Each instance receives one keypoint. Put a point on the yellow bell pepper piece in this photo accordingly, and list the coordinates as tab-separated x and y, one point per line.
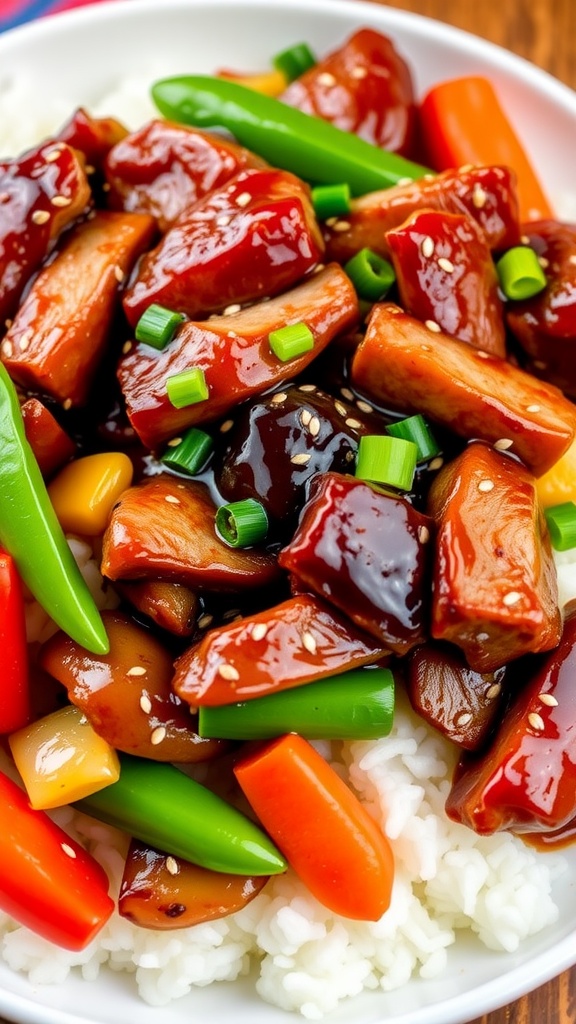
270	83
559	483
61	759
85	491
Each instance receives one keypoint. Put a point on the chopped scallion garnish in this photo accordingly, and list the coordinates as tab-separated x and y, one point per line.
242	523
415	429
561	520
371	275
157	326
294	61
386	460
187	388
190	452
331	200
520	273
291	341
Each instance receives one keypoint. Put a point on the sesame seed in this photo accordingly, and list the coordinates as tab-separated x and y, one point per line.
364	406
172	866
536	721
308	642
486	485
69	851
7	349
479	196
118	274
463	718
279	398
532	408
427	246
358	72
465	168
67	404
347	393
223	221
341	408
8	323
174	442
493	691
512	597
572	258
404	181
432	326
243	199
503	444
544	263
157	735
61	201
436	463
549	699
425	348
235	307
226	426
307	387
326	79
525	239
204	621
90	169
481	354
423	534
127	347
231	334
539	364
231	614
145	703
314	426
40	216
305	417
353	424
301	459
172	499
228	671
341	225
52	155
446	265
259	630
331	221
136	670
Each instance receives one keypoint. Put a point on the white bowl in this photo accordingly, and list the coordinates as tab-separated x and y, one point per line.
77	58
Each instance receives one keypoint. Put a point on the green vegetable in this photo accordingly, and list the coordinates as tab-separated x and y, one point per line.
291	341
415	428
561	520
158	804
157	325
294	61
520	273
386	460
371	275
189	453
187	388
242	523
306	145
331	200
356	705
32	535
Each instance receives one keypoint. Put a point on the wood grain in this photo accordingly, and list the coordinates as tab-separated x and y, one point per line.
544	32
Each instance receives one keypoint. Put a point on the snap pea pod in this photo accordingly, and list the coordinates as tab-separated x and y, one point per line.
356	705
31	534
157	803
308	146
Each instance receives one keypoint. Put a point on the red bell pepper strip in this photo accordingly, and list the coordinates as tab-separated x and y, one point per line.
14	692
341	854
463	122
48	882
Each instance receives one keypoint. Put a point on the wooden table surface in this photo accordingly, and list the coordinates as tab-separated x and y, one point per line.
542	31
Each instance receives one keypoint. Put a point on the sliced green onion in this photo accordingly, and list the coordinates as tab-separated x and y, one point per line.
415	429
189	453
187	388
291	341
520	273
157	326
357	705
294	61
371	275
386	460
561	520
242	523
331	200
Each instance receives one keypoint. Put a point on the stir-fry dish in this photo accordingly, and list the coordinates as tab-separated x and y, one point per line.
287	457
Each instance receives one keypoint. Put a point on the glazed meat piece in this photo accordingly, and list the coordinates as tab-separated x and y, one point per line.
126	694
234	353
171	606
164	529
525	781
61	332
94	137
51	445
365	87
495	592
487	194
365	552
445	273
403	364
250	239
162	168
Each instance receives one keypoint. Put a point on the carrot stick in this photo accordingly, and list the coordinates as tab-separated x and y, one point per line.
325	833
463	122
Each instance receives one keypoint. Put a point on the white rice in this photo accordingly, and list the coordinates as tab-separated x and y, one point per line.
307	959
